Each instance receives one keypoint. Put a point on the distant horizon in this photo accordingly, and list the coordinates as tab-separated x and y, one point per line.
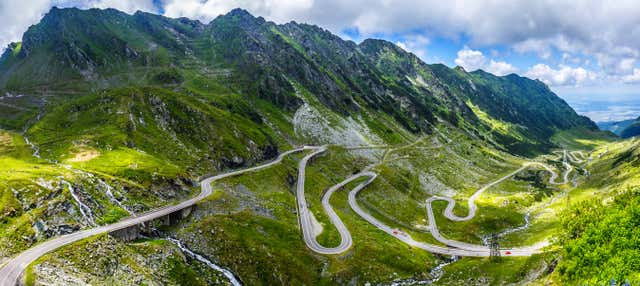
607	111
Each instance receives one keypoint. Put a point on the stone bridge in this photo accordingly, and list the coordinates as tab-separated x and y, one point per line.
137	231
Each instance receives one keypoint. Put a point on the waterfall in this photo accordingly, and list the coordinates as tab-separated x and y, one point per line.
436	273
36	150
86	212
108	189
232	278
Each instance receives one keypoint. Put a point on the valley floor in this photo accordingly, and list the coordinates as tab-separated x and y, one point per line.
516	209
146	150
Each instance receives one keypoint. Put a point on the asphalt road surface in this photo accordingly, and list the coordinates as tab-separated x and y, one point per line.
448	212
13	269
456	248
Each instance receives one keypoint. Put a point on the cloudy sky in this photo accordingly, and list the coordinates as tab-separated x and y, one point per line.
585	50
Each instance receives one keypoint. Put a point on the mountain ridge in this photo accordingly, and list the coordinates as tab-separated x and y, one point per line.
625	128
112	114
263	57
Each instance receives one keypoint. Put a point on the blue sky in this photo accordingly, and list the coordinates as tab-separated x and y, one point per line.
586	51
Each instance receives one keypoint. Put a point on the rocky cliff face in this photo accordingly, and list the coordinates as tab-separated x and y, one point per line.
129	110
73	49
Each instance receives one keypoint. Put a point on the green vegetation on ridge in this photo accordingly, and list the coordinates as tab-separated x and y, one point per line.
147	104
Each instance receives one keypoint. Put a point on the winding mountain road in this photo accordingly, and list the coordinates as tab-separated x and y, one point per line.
573	157
305	216
13	269
459	248
448	212
400	235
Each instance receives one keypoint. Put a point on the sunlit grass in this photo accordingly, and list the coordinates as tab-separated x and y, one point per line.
129	163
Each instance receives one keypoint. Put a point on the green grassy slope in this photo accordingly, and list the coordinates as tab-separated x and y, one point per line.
256	213
144	262
599	222
240	54
146	105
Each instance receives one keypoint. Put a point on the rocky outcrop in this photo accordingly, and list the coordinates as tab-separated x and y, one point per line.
106	261
261	59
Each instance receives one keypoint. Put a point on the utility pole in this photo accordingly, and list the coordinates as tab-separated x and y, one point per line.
494	248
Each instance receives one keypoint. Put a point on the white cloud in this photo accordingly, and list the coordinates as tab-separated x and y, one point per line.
197	9
500	68
563	76
633	77
571	59
540	47
611	113
17	15
275	10
472	60
626	65
617	62
129	6
416	44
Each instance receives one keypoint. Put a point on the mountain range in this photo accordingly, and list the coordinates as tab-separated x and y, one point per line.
107	114
99	49
625	129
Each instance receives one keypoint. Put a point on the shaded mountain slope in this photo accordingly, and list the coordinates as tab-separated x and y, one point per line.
148	104
75	51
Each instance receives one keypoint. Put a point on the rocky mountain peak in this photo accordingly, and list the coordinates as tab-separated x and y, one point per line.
241	17
263	59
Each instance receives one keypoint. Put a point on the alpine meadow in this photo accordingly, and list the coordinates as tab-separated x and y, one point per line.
140	148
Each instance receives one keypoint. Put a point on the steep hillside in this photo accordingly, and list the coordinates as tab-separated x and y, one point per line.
625	129
517	112
600	229
615	126
631	130
73	51
108	115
